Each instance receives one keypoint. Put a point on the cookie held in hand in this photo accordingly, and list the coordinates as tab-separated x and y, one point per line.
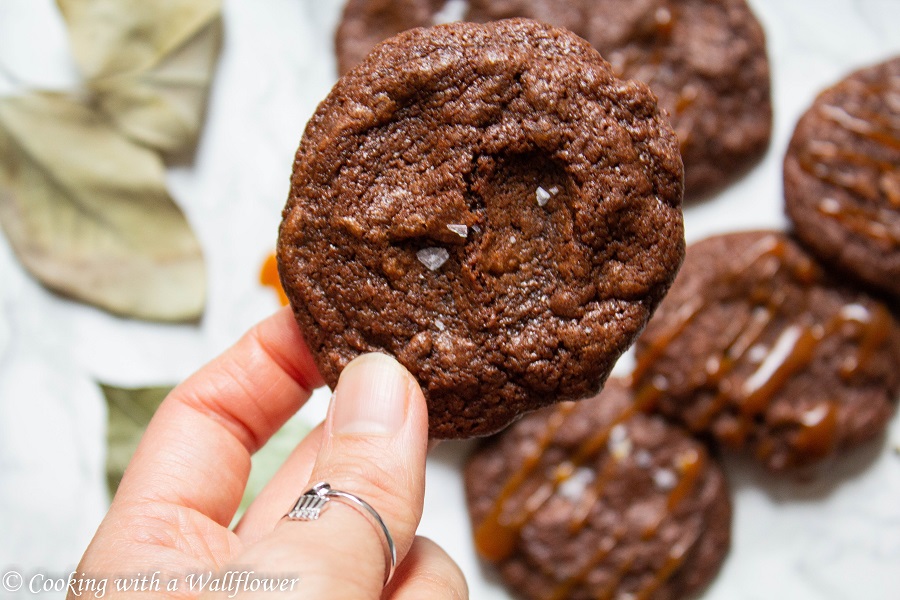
488	204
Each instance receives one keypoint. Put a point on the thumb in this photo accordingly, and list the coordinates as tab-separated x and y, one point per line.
374	446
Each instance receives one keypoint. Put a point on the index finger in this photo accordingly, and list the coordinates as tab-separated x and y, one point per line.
196	450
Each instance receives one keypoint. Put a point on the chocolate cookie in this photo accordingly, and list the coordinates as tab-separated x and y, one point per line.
704	59
365	23
597	500
842	176
488	204
758	347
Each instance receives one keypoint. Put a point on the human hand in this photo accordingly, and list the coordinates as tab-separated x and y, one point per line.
180	492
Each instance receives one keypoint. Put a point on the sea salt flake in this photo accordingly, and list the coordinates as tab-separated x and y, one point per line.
573	488
452	11
665	479
433	257
660	382
663	16
542	195
643	458
618	434
619	444
856	312
440	325
621	450
757	353
459	229
830	206
554	190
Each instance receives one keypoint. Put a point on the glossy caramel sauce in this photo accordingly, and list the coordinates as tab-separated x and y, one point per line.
818	430
654	32
268	276
591	495
497	535
690	465
795	347
868	125
672	564
564	589
867	221
868	213
873	326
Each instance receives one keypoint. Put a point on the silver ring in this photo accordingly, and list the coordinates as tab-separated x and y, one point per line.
313	501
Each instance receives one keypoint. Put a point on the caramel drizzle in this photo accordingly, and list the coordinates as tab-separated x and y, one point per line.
876	325
683	318
769	246
594	445
665	18
872	222
817	435
816	161
496	537
865	219
591	495
690	465
564	589
751	332
869	125
818	431
673	562
794	350
623	570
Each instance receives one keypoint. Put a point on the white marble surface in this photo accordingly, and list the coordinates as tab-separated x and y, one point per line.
837	538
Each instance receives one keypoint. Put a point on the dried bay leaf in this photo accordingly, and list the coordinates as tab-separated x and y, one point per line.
162	108
87	212
149	64
129	411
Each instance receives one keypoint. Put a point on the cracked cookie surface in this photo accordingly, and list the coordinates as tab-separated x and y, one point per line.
704	59
488	204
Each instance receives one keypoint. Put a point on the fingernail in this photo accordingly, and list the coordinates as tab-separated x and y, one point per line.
371	397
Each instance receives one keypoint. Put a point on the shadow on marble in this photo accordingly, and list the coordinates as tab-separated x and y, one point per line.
810	485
